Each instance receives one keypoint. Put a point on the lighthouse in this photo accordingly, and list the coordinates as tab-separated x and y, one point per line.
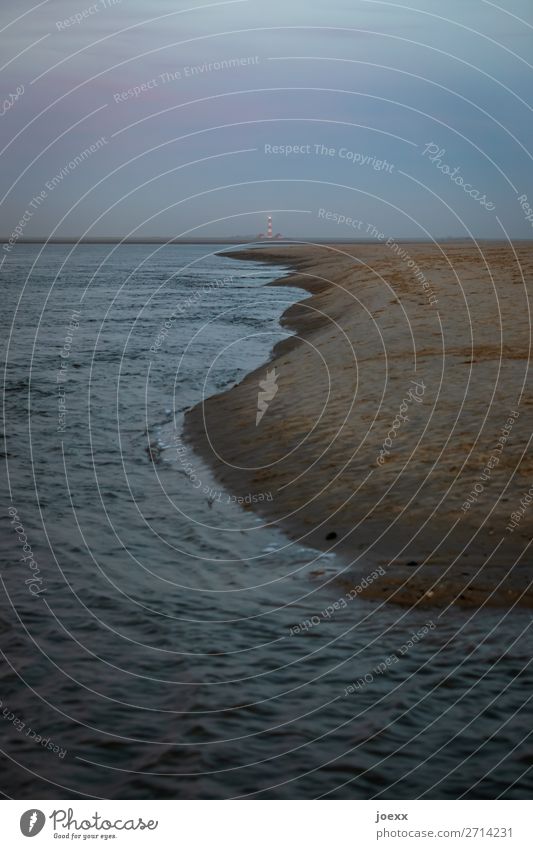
269	233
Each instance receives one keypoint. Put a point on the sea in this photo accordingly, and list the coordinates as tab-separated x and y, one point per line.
159	639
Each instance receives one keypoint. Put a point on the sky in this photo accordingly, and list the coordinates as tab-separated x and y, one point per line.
124	118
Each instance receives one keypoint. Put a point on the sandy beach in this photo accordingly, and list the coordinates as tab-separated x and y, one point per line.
395	418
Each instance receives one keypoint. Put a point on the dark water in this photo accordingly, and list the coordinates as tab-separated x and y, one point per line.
153	649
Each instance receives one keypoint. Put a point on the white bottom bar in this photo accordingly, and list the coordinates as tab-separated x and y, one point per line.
268	824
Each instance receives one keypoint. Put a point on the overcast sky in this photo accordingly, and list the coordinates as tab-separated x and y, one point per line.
375	83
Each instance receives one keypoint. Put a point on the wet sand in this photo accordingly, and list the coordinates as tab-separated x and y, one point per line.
402	395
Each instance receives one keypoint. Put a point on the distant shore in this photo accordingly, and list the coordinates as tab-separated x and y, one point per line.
248	241
396	418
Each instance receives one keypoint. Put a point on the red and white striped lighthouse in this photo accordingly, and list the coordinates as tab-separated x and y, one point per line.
269	233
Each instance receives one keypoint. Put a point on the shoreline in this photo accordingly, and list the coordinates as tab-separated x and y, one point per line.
386	411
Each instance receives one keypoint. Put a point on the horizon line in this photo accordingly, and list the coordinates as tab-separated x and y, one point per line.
236	240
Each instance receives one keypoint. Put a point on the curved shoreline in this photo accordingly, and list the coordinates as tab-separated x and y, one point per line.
365	337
